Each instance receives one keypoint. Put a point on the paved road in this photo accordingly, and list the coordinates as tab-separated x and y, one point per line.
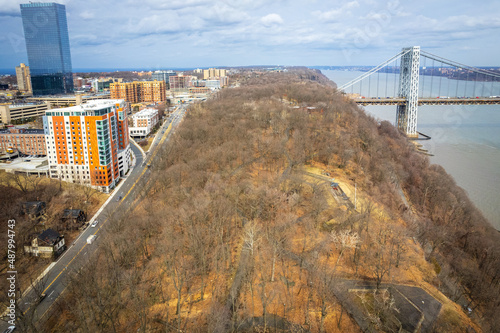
416	309
53	283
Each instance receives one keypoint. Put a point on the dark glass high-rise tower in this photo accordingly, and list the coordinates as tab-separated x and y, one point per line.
47	44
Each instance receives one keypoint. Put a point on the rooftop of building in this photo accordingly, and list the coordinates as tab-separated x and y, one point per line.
124	83
100	103
71	213
25	164
49	236
23	104
12	130
146	112
96	104
73	96
33	207
164	71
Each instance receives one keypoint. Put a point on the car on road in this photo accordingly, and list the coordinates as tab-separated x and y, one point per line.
41	298
94	224
91	239
119	198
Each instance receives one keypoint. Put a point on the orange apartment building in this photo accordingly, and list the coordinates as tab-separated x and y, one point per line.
89	143
139	91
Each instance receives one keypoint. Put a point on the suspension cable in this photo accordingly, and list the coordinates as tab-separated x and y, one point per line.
373	70
378	82
467	80
423	78
395	77
448	90
369	85
386	80
475	82
483	84
440	78
459	65
432	78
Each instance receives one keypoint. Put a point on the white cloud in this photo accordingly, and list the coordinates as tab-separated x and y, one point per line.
168	5
223	14
87	15
167	22
352	4
337	13
472	22
147	31
271	20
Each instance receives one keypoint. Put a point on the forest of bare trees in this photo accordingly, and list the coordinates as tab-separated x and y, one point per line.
16	190
229	234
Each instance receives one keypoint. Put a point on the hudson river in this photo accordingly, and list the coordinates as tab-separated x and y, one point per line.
465	139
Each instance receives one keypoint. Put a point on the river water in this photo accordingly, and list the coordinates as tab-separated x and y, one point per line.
465	138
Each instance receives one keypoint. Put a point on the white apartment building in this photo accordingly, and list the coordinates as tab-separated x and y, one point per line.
143	122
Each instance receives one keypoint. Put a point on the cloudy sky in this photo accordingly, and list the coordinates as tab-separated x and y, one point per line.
161	34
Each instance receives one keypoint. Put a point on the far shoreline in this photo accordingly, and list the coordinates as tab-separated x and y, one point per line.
432	159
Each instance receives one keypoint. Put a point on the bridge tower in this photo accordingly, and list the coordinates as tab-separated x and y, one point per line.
406	115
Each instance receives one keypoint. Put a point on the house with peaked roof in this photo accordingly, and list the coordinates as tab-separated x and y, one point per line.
74	217
34	209
48	244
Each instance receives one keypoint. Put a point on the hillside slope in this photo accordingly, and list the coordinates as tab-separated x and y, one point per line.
240	229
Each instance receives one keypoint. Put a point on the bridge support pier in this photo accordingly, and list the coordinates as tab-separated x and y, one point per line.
406	115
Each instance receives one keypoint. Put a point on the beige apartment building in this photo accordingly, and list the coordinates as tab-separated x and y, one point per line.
23	78
139	91
213	72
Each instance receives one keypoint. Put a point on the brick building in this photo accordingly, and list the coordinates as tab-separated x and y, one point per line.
26	141
139	91
181	82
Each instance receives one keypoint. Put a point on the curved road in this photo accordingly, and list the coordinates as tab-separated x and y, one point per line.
78	253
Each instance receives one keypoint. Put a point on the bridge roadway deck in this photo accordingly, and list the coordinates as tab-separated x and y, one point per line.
429	101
